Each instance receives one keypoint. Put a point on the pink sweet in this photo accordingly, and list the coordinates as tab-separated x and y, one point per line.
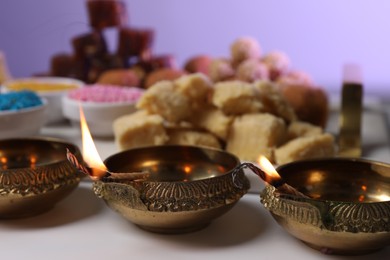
106	93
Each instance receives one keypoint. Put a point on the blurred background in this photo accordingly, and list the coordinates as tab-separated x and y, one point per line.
318	36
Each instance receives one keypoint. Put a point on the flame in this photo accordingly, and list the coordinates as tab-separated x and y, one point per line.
187	169
33	161
270	173
90	153
364	188
4	161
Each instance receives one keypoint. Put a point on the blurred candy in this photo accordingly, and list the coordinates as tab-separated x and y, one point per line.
277	62
135	42
105	93
62	65
199	63
120	77
106	13
251	70
162	74
220	70
89	45
244	48
295	77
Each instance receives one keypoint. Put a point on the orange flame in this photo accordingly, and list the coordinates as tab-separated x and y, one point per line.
33	161
270	173
187	169
90	153
4	161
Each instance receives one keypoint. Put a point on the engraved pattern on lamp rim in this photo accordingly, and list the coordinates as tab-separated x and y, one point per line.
40	179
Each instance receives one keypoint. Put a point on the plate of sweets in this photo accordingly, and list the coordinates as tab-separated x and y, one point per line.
101	105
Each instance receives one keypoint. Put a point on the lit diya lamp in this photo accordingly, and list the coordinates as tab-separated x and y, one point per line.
164	189
334	205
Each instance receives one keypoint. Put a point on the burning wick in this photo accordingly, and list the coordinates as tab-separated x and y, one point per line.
108	176
269	175
97	170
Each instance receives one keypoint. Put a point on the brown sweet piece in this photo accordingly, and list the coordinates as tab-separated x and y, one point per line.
156	62
309	103
200	63
95	66
162	74
112	61
81	68
62	65
89	45
135	42
106	13
119	77
93	74
163	61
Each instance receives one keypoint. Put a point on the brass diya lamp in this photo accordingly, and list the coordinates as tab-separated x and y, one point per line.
170	189
34	175
337	206
165	189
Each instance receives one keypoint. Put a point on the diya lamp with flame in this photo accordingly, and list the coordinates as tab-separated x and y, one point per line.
164	189
335	205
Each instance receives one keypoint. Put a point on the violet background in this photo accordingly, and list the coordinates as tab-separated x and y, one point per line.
319	36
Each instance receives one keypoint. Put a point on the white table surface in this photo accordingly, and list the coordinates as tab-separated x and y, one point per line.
83	227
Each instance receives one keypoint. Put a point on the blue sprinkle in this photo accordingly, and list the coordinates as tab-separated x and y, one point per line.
19	100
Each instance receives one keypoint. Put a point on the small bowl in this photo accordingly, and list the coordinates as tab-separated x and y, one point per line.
34	175
188	187
99	115
22	122
50	88
348	211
